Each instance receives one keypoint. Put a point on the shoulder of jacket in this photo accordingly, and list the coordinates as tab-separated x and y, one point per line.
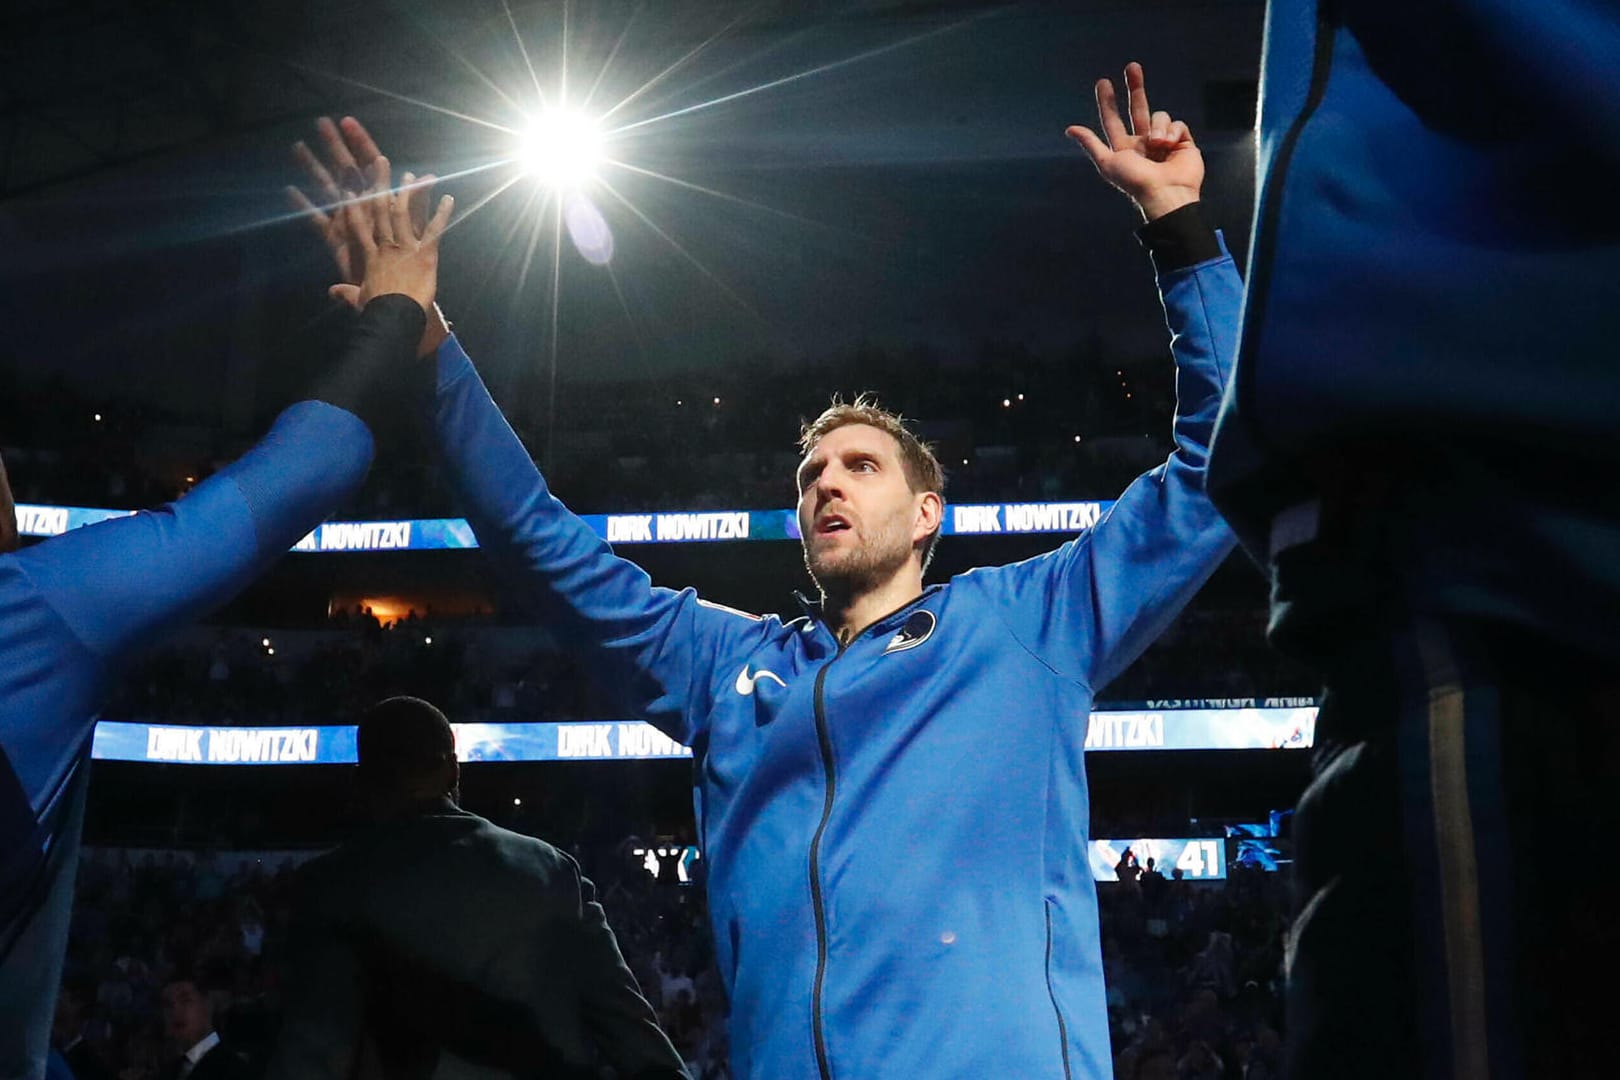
712	606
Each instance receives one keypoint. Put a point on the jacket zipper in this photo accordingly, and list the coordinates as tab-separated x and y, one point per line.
818	903
1063	1029
1260	261
824	738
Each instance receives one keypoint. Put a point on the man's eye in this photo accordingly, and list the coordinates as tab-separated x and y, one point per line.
865	466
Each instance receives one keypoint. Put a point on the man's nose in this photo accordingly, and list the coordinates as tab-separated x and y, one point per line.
830	485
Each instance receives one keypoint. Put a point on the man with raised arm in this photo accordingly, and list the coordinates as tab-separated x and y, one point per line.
891	791
74	608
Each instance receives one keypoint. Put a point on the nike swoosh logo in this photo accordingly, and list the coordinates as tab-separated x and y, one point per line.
746	683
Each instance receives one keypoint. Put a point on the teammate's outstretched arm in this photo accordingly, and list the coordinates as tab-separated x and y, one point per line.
1089	608
654	648
73	607
119	582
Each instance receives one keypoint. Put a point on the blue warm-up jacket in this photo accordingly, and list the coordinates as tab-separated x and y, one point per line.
896	829
1426	339
73	608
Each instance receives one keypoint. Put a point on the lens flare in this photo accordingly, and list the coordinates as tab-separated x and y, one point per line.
588	229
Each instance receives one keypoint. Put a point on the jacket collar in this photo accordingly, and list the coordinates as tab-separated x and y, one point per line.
813	610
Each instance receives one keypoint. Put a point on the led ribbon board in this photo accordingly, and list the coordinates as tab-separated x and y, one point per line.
629	740
659	527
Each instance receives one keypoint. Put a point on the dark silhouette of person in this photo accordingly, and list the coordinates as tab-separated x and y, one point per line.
436	944
68	1032
1153	885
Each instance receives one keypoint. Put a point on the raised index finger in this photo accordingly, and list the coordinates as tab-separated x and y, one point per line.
1136	88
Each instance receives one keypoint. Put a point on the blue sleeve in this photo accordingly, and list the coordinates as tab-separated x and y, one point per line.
117	584
652	648
1089	608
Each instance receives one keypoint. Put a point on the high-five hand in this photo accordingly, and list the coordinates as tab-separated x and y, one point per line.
342	170
393	258
344	165
1156	162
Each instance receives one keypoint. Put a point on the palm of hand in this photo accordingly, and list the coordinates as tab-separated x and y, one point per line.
1154	161
1140	165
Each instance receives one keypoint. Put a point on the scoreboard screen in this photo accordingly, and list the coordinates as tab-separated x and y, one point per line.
1201	859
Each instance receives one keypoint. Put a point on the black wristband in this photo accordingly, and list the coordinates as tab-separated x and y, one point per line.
378	371
1179	239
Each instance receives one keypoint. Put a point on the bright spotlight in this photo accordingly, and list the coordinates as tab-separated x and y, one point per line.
561	149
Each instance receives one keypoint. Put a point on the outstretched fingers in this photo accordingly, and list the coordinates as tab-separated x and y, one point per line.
308	211
347	172
399	209
361	145
418	191
357	215
440	222
320	179
383	199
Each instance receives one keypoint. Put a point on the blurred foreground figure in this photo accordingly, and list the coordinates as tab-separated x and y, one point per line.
1421	442
435	944
75	607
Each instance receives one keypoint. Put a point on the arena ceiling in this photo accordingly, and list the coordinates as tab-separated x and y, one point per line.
93	85
876	171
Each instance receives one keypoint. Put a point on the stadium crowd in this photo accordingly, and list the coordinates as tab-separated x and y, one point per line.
478	671
1009	426
1193	971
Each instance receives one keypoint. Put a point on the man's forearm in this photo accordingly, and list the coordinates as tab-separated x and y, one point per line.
547	551
1203	298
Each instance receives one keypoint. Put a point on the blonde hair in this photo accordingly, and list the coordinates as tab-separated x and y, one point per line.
922	469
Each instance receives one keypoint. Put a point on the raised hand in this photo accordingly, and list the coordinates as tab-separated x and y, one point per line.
393	258
1156	162
344	164
347	162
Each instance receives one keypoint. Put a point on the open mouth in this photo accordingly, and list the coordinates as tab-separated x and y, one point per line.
831	523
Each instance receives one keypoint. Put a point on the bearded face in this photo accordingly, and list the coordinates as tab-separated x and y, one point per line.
857	513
